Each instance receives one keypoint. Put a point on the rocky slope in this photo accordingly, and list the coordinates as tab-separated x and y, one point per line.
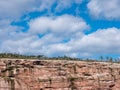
58	75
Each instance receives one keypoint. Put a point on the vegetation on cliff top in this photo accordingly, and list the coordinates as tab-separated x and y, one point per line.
42	57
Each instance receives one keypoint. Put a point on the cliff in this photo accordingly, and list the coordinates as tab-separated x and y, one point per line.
58	75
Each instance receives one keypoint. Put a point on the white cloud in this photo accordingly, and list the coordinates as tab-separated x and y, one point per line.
14	9
59	5
8	32
60	29
64	4
108	9
20	46
103	41
62	35
64	26
45	5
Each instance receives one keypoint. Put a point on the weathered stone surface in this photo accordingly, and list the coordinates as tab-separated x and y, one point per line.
58	75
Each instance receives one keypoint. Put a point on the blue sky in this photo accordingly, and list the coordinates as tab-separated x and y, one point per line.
76	28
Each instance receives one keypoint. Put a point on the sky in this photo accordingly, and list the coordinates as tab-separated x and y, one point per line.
75	28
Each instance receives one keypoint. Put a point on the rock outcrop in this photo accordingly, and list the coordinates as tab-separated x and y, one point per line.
58	75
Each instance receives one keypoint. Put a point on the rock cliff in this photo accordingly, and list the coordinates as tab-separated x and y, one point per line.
58	75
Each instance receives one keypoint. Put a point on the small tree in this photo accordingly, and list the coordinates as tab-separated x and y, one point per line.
111	59
40	56
101	58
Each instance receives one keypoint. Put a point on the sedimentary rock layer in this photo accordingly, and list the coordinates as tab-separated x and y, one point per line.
58	75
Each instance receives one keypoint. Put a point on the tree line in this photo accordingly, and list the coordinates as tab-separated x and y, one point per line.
43	57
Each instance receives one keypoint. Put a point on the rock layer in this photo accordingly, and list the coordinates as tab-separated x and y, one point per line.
58	75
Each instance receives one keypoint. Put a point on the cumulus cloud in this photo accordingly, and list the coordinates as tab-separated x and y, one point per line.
57	35
104	8
14	9
12	37
55	30
99	42
105	41
64	4
65	25
44	4
59	5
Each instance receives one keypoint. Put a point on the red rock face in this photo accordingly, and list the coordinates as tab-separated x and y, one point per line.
58	75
